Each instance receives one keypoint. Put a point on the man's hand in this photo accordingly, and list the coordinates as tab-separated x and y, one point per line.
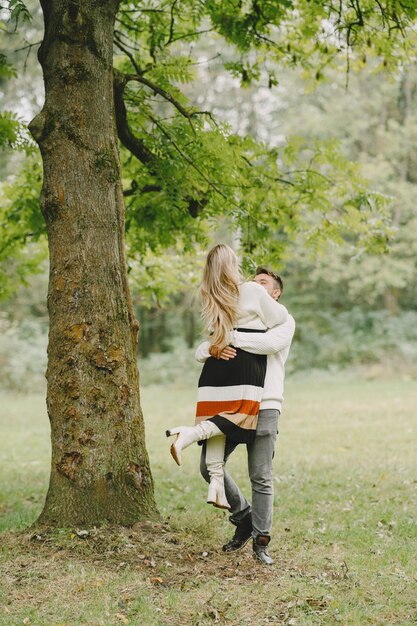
222	352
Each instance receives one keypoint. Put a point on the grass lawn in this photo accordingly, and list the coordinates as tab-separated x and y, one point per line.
344	535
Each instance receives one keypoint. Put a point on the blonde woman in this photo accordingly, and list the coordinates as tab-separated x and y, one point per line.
229	392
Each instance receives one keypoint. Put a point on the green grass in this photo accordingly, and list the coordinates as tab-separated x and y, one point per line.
344	535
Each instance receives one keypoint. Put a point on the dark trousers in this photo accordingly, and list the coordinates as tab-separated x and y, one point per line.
260	456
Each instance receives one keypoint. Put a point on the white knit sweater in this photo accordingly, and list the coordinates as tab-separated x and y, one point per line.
259	311
256	308
275	343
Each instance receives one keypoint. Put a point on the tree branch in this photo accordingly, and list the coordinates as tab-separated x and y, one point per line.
129	55
171	26
29	45
196	33
134	189
140	151
128	139
190	162
167	96
188	114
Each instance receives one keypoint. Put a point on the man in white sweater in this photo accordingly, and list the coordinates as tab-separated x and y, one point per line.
255	521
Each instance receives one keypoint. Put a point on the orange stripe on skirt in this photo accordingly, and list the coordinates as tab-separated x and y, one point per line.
247	407
243	422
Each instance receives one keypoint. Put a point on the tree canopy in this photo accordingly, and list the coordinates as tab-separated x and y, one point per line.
185	170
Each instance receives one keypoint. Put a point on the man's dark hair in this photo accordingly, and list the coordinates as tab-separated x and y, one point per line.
274	275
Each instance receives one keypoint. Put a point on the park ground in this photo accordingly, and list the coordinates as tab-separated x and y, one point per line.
344	535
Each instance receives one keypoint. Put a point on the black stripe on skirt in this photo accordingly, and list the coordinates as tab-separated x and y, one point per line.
244	369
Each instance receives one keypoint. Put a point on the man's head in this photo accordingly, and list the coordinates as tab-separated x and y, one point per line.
270	281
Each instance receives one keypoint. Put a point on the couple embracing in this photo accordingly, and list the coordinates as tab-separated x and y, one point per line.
240	391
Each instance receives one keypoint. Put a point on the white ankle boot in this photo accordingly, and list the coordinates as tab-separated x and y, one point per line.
215	463
216	494
186	435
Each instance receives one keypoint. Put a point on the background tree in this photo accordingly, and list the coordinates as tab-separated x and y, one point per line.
369	300
100	470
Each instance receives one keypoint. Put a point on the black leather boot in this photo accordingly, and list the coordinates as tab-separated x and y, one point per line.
242	535
260	549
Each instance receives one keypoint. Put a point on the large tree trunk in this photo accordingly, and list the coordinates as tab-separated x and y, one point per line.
100	469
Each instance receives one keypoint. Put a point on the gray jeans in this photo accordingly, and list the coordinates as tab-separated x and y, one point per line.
260	456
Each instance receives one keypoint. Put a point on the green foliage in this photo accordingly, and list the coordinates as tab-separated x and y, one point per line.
9	129
198	170
157	276
23	244
202	169
18	11
323	199
13	133
382	139
327	339
313	34
6	69
177	366
17	62
339	269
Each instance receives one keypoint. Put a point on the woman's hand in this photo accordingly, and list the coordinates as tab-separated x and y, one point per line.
223	352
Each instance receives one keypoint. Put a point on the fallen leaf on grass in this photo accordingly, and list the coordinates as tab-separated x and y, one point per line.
319	605
293	603
146	525
122	618
213	614
156	580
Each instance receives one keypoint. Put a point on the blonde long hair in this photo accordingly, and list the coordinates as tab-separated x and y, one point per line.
219	292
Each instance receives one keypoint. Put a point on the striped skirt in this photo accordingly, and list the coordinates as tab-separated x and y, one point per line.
230	392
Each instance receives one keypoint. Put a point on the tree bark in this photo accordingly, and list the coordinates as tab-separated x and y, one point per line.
100	469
